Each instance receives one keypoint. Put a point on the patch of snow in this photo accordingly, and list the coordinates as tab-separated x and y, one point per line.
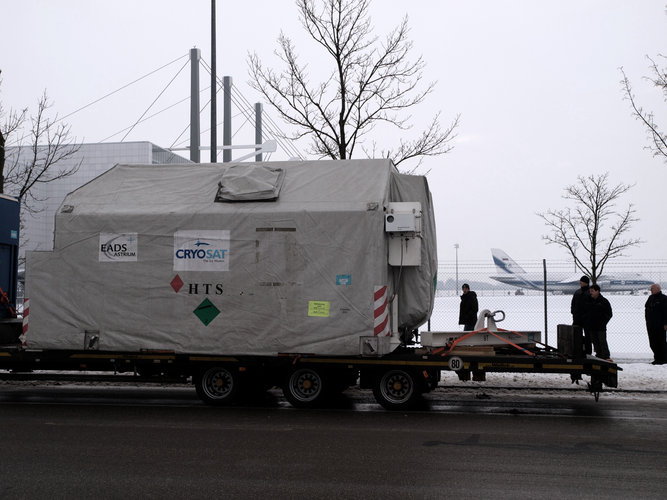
635	375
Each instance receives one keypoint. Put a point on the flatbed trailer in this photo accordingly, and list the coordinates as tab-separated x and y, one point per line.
397	379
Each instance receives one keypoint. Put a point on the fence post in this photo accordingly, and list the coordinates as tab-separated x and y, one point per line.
546	334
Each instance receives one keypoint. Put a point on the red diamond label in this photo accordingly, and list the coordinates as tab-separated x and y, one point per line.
176	283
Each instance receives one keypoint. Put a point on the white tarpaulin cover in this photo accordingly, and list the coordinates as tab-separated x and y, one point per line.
146	258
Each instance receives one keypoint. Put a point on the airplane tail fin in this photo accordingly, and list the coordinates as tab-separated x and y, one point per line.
505	263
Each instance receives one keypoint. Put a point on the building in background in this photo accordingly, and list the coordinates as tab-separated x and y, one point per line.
37	228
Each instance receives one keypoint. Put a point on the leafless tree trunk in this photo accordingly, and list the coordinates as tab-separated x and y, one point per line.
372	83
593	224
36	154
658	140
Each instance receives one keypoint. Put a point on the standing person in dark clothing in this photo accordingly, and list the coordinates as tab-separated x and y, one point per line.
468	309
577	309
655	312
597	313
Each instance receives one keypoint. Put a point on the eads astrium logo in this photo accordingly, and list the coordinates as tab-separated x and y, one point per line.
118	247
201	250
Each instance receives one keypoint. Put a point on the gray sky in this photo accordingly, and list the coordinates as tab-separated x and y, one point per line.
537	85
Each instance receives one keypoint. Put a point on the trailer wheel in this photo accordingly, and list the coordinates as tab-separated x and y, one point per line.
217	386
304	388
396	390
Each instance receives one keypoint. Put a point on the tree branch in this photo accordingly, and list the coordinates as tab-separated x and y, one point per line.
658	139
36	156
371	82
593	224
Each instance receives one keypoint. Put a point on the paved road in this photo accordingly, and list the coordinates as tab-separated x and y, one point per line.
129	442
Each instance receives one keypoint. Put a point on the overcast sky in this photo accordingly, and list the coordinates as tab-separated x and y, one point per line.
537	85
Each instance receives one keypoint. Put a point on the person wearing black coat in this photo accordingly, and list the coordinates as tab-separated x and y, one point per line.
577	309
597	313
468	309
655	312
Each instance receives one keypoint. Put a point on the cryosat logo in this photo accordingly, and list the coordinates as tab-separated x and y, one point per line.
118	247
201	250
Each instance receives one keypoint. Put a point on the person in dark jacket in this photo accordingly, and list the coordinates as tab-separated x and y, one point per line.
577	309
597	313
655	312
468	308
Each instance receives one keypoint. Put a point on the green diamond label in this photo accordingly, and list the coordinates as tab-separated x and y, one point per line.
206	312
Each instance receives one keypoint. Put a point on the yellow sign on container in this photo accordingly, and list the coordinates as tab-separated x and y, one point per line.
318	308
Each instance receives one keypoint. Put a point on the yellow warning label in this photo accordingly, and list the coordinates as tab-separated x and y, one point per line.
318	308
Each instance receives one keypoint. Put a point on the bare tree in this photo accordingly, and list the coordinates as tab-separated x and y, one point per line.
372	83
658	140
36	154
593	224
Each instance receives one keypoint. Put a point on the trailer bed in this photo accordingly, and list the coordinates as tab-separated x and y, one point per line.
397	379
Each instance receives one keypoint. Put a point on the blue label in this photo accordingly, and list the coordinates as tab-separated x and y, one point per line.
14	234
343	279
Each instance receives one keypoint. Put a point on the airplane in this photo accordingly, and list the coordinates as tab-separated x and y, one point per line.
514	275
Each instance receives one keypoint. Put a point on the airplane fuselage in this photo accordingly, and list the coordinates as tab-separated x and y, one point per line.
569	286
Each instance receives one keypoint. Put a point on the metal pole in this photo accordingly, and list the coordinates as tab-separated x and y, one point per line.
227	118
258	129
195	55
456	249
214	88
546	333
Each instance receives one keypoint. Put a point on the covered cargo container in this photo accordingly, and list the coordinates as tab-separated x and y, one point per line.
257	259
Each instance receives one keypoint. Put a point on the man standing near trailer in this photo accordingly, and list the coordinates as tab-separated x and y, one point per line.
655	312
577	309
468	308
597	313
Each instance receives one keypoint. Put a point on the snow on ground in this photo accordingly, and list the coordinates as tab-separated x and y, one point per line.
642	376
636	375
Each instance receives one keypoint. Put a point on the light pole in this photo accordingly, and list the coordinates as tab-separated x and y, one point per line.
456	249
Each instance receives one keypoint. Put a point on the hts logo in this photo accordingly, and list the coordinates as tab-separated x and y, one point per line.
194	288
197	288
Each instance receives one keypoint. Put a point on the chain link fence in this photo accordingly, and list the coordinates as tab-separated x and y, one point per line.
528	309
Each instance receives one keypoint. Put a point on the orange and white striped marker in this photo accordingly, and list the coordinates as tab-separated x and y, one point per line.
381	312
26	313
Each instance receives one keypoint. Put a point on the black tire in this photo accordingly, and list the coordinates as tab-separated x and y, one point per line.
218	385
396	390
304	388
